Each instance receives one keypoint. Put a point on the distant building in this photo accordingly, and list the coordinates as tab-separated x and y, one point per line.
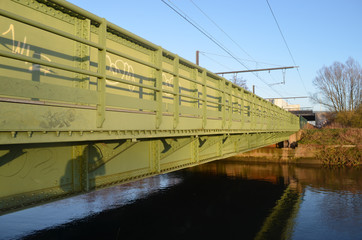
283	104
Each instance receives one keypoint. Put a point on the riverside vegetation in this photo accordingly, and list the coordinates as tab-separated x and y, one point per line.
340	147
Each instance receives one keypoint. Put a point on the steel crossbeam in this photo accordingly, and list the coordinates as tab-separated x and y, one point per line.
85	104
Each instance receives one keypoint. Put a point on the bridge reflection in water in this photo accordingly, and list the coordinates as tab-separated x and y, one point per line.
221	199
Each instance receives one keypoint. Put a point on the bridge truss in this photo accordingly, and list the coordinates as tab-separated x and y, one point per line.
85	104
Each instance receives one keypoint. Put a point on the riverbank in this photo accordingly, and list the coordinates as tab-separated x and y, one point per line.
313	146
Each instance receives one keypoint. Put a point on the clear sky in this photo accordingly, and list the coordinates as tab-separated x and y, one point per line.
318	33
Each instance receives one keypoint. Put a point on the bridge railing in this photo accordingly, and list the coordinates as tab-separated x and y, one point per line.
85	104
68	73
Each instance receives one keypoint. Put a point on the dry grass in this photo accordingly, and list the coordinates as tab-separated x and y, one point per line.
341	147
340	156
352	135
341	136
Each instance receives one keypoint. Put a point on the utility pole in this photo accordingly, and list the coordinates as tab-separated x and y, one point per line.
197	57
254	89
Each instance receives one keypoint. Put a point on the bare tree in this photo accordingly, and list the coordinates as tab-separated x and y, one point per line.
240	81
340	86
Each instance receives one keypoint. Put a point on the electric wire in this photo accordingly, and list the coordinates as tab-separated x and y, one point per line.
211	20
259	88
194	24
243	59
215	61
209	36
286	44
274	82
189	20
221	29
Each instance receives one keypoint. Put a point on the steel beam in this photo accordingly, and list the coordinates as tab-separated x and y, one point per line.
32	174
85	104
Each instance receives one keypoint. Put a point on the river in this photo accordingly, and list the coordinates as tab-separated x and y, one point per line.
218	200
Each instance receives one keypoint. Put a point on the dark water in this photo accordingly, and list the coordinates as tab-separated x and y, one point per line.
218	200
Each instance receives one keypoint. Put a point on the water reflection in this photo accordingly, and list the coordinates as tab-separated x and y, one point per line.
319	203
23	223
221	199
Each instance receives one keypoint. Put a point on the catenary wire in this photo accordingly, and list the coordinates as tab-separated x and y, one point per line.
259	88
215	61
221	29
286	44
189	20
247	60
193	23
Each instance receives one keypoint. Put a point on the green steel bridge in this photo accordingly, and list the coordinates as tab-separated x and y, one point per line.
85	104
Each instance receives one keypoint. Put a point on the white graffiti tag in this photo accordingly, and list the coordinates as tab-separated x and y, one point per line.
24	49
169	83
17	49
124	68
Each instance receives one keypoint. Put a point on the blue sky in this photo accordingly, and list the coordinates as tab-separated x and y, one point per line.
318	33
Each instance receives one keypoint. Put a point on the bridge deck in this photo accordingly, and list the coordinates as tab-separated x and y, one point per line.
85	104
307	114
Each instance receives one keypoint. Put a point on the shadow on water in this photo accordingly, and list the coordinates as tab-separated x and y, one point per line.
228	200
203	205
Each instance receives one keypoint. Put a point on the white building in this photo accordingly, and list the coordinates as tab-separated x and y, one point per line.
283	104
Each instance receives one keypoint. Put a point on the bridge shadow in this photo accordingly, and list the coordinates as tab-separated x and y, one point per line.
80	172
13	153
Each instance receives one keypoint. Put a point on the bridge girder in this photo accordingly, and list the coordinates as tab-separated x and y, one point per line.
32	174
85	104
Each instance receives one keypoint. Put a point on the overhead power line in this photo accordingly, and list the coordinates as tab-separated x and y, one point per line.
248	60
203	53
210	37
215	61
289	97
221	29
258	70
281	33
286	44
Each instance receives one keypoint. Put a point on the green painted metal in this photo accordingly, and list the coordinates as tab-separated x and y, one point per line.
85	104
280	223
303	122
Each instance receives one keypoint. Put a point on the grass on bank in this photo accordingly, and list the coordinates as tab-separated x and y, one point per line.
326	136
340	146
340	156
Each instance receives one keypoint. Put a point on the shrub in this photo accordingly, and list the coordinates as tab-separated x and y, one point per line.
346	118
